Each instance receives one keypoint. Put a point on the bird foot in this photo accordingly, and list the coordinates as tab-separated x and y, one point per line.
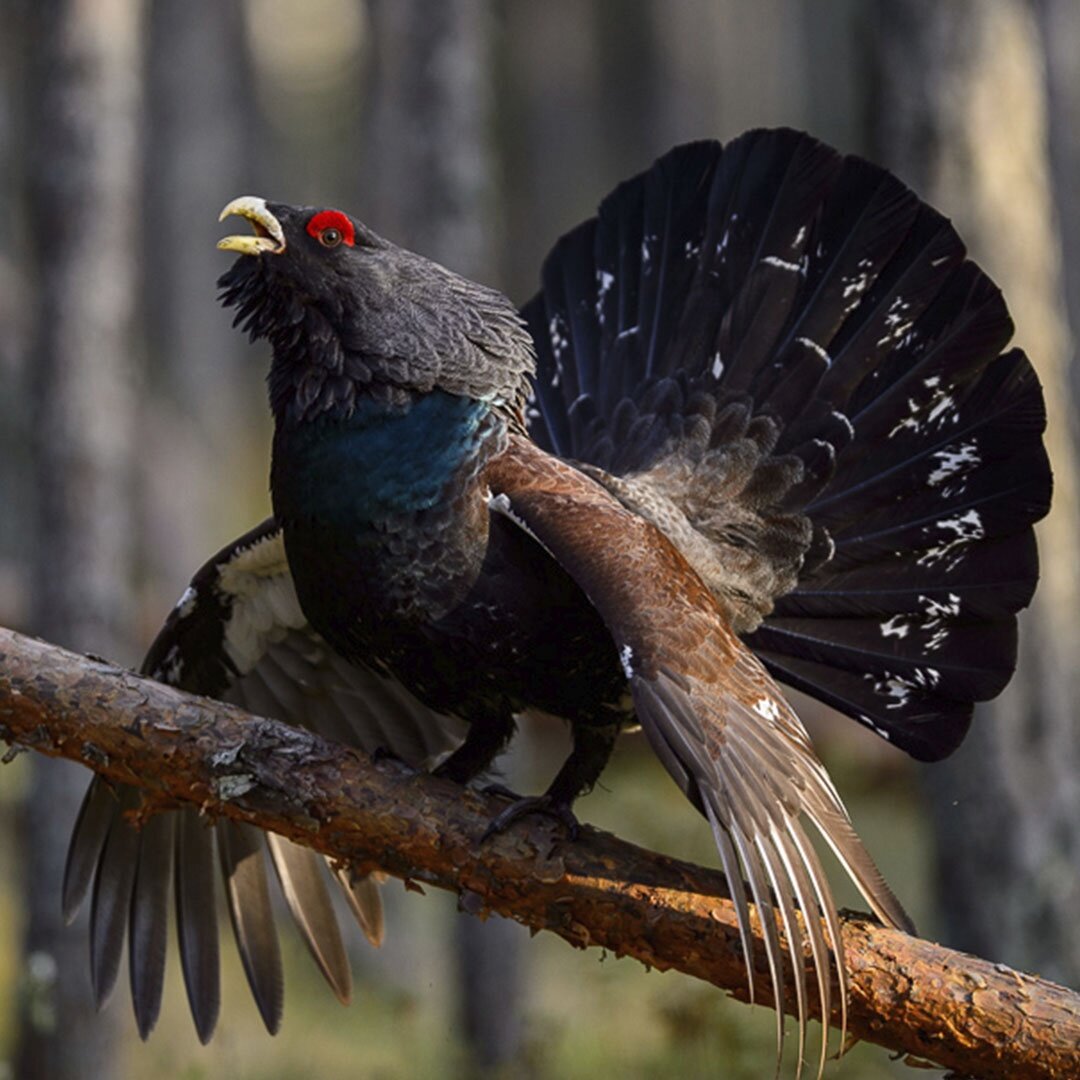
502	791
381	753
523	806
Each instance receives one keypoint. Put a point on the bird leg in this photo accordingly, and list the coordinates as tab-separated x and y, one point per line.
592	748
487	735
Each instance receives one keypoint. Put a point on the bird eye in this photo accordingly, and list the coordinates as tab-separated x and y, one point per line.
331	227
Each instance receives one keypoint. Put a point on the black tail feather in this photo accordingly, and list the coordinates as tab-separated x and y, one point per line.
929	728
821	291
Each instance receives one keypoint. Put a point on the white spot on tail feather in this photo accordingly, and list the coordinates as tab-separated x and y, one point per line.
785	264
845	421
939	406
897	689
937	615
938	409
936	610
854	285
926	677
875	728
604	281
956	532
896	323
626	658
953	462
815	348
893	687
559	341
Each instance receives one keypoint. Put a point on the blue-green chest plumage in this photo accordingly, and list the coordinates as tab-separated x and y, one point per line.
377	464
396	559
384	517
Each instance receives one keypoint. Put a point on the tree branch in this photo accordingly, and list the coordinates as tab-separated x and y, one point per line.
978	1018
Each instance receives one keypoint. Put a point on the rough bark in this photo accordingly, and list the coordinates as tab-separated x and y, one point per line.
82	95
978	1018
963	118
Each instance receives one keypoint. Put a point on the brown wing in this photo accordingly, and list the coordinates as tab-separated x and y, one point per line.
711	712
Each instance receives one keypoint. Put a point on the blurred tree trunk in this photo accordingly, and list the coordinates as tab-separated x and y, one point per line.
433	189
550	138
199	147
627	51
82	93
963	118
431	180
14	461
1060	24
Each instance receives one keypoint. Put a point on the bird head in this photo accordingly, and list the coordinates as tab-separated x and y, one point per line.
346	310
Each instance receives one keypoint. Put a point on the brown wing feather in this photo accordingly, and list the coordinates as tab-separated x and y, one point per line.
711	712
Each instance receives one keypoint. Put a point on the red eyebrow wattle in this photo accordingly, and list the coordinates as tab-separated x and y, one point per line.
332	219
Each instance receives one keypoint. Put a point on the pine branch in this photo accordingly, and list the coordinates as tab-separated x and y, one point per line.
914	997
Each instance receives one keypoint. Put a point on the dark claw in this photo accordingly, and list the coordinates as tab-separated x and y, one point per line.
502	791
381	753
534	804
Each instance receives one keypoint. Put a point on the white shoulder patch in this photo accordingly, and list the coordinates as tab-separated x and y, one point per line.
259	617
265	558
264	603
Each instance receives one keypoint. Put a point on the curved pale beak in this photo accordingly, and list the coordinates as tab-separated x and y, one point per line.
268	233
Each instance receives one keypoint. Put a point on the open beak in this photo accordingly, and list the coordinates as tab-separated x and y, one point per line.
268	234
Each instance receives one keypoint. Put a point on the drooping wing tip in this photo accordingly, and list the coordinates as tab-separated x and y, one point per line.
365	902
242	855
303	884
759	837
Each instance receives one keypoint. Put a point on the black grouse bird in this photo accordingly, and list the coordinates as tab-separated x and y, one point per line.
771	433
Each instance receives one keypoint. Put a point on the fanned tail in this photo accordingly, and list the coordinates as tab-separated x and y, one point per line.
753	336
